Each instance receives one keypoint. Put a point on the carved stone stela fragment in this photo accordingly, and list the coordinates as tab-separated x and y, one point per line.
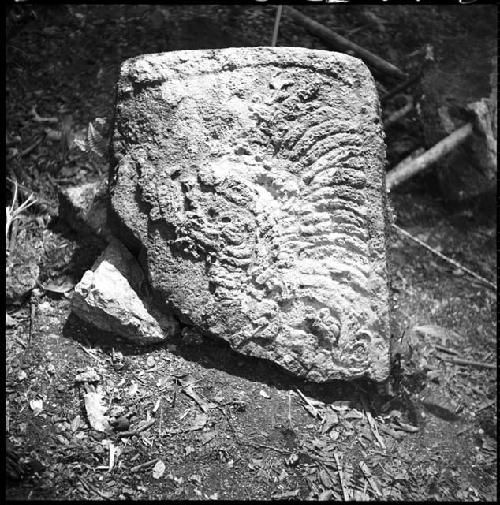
251	183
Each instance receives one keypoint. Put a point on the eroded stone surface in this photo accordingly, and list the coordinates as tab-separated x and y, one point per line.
252	183
111	297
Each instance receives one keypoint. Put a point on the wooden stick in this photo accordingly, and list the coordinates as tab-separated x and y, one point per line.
32	321
264	446
485	405
339	42
445	349
401	87
399	114
144	465
31	148
137	430
345	490
276	25
445	258
407	168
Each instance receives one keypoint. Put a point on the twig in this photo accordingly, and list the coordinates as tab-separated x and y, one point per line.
290	410
144	465
137	430
31	148
88	352
445	258
309	406
445	349
174	396
160	421
399	114
401	87
14	226
485	405
344	44
428	60
345	491
264	446
406	427
461	361
202	403
407	168
276	25
40	119
374	429
230	423
367	473
32	321
14	211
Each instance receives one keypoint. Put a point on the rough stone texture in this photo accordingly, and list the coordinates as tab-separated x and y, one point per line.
251	183
84	208
111	297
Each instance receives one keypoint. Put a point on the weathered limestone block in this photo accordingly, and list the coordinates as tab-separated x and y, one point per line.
251	184
111	297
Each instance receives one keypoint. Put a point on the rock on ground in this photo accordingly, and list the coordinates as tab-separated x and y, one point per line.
251	184
110	297
84	208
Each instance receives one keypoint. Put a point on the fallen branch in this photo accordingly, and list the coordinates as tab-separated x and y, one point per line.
144	465
343	484
204	405
401	87
486	405
445	258
409	167
399	114
428	60
31	148
339	42
460	361
40	119
276	25
445	349
137	430
88	352
264	446
309	406
13	213
32	321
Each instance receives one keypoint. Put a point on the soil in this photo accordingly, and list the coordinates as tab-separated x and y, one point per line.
247	432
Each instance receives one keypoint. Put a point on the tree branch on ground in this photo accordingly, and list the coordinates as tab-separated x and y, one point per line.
339	42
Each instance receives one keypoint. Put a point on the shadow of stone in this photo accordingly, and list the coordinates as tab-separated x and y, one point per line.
215	354
88	248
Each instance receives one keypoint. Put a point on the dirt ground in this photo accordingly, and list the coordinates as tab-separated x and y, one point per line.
201	421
